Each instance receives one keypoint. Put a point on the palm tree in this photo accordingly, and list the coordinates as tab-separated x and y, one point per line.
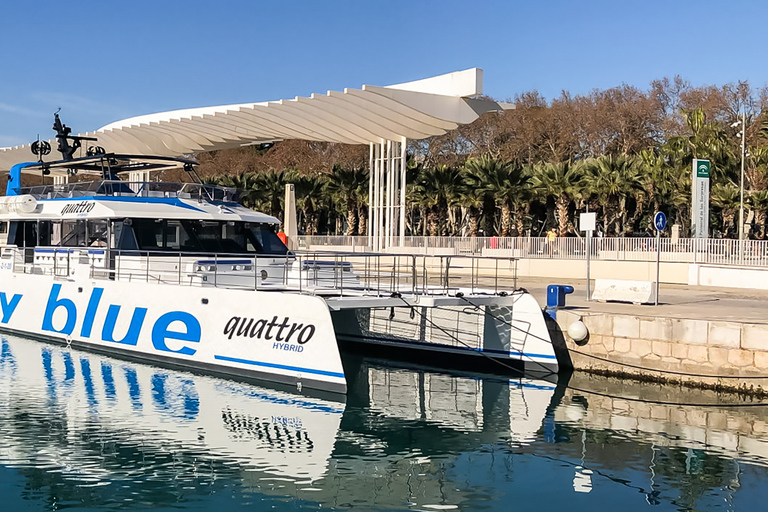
310	193
561	181
437	190
706	140
477	177
726	197
272	186
345	186
613	179
759	201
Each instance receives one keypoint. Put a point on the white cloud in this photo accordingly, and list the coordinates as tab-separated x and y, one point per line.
15	109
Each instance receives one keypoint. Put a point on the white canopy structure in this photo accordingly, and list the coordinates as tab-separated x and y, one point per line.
382	117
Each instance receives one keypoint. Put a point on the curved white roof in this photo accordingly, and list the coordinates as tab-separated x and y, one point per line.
412	110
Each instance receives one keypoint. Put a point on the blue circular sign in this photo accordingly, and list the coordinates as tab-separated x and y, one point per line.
660	221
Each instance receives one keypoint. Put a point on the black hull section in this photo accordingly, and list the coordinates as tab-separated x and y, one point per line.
441	357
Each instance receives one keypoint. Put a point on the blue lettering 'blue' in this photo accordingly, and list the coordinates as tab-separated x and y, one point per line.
161	332
132	336
53	303
90	312
8	307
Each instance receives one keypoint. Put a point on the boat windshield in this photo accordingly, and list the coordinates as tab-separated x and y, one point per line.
232	237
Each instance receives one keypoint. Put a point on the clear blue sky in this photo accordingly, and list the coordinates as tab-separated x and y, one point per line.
102	61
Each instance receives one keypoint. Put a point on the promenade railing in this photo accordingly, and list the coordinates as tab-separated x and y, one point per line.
752	253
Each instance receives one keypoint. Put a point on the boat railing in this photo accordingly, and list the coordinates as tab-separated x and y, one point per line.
195	191
316	272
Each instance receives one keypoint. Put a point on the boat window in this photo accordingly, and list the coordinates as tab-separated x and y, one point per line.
96	230
23	234
233	237
264	235
73	233
3	227
123	236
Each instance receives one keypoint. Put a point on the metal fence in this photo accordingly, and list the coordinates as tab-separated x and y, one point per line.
752	253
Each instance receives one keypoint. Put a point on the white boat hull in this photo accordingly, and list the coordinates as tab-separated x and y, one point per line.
282	337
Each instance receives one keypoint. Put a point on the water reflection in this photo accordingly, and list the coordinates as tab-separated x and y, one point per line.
87	431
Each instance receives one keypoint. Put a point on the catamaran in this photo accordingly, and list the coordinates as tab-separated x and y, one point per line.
181	274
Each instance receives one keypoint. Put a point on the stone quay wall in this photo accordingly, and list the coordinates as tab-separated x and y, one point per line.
713	354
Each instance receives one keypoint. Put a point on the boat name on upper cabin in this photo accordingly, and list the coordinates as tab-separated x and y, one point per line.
81	207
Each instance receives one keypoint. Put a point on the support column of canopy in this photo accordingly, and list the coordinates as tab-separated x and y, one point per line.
386	194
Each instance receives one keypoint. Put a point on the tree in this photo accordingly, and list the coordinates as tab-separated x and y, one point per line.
563	182
345	185
438	190
726	197
612	180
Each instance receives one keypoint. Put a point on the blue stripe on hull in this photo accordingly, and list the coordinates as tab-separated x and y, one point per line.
280	366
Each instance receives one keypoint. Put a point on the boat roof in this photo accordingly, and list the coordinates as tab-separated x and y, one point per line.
137	207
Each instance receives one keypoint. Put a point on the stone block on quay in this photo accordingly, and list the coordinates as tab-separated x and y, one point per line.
693	332
741	358
626	326
609	342
670	364
754	336
652	361
698	354
661	348
640	348
656	328
761	360
599	324
680	351
718	356
621	345
724	334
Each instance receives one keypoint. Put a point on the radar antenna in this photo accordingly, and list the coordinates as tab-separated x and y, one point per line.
63	131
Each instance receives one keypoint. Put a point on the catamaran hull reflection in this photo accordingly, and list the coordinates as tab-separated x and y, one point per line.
285	435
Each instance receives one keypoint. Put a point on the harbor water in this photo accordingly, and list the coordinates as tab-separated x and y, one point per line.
80	431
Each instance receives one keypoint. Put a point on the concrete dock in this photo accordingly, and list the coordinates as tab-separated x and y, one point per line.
707	337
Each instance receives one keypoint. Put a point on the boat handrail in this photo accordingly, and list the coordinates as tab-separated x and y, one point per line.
196	191
311	272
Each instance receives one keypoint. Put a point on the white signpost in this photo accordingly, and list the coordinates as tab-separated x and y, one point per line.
700	196
588	222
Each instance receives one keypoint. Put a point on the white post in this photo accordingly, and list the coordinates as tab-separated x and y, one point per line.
371	172
403	170
388	196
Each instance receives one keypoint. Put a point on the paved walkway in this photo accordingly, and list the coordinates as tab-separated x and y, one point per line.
675	301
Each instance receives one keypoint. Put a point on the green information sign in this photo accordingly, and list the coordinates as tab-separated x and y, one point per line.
702	168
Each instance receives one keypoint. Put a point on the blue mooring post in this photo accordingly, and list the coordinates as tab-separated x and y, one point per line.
556	298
